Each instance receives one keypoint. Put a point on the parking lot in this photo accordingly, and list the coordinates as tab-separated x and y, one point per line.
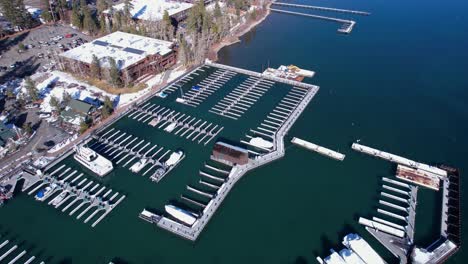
41	46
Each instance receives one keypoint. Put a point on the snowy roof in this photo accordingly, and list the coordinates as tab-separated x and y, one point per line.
125	48
153	10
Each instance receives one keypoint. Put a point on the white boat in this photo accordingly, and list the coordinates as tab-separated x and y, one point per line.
59	198
170	127
44	193
362	249
261	143
350	257
138	166
181	214
180	100
174	158
93	161
334	258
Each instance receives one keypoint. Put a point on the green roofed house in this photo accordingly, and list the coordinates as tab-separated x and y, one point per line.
76	111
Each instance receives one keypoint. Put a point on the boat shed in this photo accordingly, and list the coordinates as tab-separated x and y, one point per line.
230	153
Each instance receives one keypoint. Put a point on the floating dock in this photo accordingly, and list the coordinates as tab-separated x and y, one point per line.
306	92
400	160
321	150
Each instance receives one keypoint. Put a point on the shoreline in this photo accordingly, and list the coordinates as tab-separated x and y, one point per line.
235	38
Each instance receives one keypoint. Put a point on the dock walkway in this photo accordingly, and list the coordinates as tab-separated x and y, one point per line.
238	171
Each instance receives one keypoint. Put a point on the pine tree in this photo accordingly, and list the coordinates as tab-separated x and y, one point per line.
167	23
101	6
217	10
30	87
128	7
55	103
76	17
114	73
46	14
107	107
95	68
15	12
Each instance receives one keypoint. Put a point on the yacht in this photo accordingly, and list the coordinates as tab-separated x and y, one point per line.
93	161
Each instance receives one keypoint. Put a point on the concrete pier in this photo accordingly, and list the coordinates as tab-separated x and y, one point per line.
320	8
321	150
347	27
400	160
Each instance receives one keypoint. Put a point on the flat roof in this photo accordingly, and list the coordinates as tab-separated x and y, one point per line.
153	10
126	49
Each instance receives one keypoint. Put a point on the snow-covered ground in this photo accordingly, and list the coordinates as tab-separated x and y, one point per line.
84	91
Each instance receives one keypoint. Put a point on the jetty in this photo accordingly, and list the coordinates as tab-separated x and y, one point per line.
400	160
68	192
320	8
347	25
236	172
321	150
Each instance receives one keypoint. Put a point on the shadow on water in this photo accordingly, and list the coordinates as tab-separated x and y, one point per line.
119	261
327	244
300	260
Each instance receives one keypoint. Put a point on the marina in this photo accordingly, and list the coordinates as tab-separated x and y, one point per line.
125	149
358	99
69	190
14	252
182	125
297	99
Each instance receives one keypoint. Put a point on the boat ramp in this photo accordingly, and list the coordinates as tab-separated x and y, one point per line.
321	150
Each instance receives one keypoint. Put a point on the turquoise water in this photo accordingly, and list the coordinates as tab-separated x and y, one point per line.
397	82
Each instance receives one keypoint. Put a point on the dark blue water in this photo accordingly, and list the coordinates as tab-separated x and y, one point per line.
398	82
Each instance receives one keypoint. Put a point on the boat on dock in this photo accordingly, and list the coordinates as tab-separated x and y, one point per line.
180	214
261	143
93	161
154	121
57	200
43	193
139	165
162	95
362	249
174	158
290	72
170	127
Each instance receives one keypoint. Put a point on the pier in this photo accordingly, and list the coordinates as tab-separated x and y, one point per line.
134	150
320	8
397	238
239	100
347	25
400	160
182	125
15	253
321	150
76	194
238	171
206	87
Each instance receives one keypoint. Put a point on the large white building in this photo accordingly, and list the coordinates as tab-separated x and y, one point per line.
135	55
153	10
